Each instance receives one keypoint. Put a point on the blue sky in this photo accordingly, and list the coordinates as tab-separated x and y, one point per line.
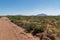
29	7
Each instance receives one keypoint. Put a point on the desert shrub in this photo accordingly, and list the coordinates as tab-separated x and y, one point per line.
38	29
29	27
0	16
14	18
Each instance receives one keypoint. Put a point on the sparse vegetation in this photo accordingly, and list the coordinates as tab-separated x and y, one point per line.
37	24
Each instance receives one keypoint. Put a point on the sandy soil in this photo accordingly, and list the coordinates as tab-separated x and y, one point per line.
10	31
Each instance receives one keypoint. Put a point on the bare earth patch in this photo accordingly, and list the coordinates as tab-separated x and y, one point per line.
10	31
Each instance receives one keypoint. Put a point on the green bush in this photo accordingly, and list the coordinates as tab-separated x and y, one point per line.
38	29
14	18
29	27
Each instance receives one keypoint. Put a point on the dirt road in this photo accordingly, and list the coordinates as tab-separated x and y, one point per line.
10	31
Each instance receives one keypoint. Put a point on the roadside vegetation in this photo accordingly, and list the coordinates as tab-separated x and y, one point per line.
44	25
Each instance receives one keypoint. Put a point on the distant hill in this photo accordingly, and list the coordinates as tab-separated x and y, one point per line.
42	14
